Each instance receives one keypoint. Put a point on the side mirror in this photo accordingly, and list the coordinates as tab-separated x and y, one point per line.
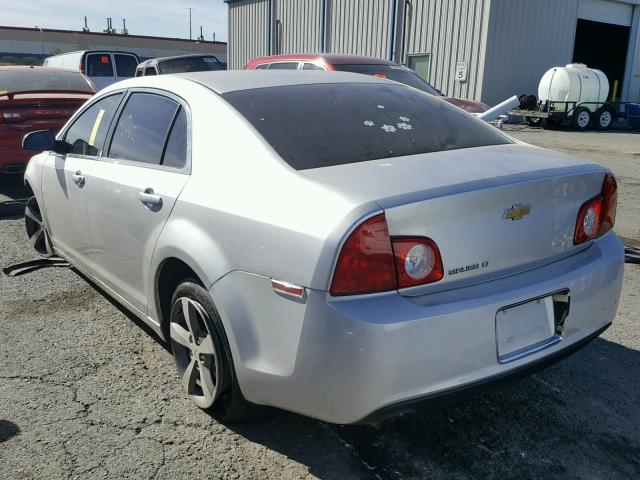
40	140
43	140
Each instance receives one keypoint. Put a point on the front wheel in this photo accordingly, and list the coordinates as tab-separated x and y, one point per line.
202	355
37	231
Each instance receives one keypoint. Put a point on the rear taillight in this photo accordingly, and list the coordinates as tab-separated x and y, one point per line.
609	203
365	264
597	216
82	67
371	261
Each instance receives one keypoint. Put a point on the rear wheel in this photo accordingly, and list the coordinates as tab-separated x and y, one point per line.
37	231
603	118
581	118
202	356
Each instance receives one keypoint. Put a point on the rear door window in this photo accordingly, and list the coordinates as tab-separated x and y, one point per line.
87	134
125	65
99	65
284	66
141	132
320	125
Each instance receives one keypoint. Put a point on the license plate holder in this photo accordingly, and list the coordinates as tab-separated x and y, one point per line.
525	328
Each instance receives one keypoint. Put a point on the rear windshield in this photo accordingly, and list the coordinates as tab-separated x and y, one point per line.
320	125
30	79
190	64
392	72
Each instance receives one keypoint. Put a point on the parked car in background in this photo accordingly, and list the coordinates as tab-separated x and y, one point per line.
179	64
377	67
356	246
103	67
35	98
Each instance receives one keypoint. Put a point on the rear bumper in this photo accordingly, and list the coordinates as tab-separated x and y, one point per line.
358	359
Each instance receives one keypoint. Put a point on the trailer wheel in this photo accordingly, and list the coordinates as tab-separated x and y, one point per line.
603	118
581	118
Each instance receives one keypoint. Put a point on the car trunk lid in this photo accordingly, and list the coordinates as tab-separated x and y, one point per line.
492	211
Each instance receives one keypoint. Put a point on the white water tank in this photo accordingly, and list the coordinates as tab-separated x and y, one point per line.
574	83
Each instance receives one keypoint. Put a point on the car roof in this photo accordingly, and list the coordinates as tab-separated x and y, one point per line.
234	80
332	58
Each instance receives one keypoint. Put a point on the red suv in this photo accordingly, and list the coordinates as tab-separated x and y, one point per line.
35	98
366	65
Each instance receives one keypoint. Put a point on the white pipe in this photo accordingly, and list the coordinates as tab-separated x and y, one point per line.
500	109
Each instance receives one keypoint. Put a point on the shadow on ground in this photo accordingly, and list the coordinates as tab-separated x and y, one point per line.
577	419
8	430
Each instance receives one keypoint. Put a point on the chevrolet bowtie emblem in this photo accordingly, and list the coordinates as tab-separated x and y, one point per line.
517	212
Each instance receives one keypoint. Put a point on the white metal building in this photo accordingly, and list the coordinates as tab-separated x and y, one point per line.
479	49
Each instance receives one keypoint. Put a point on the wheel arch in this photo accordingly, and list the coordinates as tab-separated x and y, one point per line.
170	272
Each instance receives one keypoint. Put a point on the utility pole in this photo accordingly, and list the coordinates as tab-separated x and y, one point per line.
189	8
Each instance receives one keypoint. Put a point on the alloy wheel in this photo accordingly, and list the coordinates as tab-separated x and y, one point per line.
195	351
36	229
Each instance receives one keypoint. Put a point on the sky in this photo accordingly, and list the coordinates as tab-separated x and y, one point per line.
162	18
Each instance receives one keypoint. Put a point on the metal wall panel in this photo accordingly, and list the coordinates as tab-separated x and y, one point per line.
450	31
248	31
360	27
298	26
525	39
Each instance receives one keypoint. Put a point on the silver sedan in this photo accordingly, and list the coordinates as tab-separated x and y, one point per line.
331	244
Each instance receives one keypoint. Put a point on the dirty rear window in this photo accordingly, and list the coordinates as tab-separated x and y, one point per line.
31	79
321	125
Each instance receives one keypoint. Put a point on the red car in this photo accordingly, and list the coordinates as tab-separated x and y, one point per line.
366	65
35	98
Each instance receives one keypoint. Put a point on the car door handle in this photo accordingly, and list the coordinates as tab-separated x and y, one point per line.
78	178
149	198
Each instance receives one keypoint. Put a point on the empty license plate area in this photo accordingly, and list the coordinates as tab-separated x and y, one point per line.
528	327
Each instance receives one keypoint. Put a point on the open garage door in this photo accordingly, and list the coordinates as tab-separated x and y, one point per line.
602	40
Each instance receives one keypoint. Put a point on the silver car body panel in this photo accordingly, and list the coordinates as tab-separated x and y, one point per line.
241	216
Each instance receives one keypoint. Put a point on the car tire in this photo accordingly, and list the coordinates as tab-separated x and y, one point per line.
603	118
581	119
37	230
534	121
202	355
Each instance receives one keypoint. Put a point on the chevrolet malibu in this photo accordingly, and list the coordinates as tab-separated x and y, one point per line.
332	244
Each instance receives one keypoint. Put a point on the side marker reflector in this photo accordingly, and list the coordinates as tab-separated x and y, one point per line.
287	288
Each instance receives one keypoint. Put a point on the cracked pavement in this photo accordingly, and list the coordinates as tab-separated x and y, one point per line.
87	392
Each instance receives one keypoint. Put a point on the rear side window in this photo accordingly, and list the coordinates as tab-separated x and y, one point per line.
29	79
320	125
125	65
311	66
87	133
175	155
262	66
142	128
99	65
284	66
